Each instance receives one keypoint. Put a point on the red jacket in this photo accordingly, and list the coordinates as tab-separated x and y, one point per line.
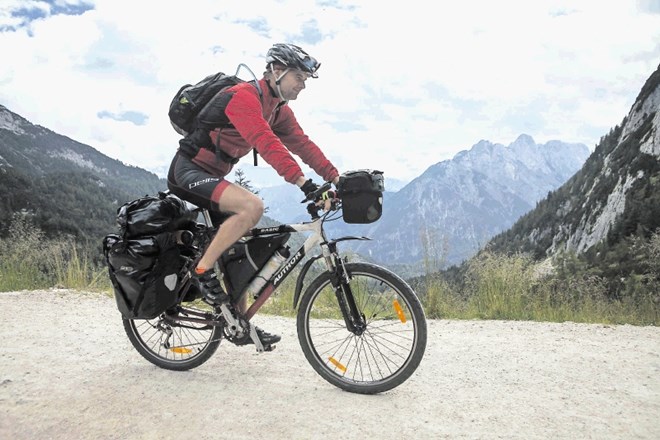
275	134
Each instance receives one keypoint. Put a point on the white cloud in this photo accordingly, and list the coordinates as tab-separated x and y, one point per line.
400	87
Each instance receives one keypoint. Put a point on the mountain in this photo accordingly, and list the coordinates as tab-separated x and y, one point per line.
37	151
456	206
612	200
65	186
448	212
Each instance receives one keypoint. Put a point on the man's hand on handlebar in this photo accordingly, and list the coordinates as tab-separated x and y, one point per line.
309	188
322	196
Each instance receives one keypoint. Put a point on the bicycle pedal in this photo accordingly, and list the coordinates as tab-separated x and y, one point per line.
269	347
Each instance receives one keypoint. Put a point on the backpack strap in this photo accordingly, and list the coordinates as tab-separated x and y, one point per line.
261	96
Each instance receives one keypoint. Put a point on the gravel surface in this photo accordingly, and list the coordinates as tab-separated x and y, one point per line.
67	371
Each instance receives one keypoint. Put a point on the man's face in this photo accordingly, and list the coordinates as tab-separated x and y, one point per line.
293	83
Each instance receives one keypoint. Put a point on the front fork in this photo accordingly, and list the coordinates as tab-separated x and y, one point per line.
340	279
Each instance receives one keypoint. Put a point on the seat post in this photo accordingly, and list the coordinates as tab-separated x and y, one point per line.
207	218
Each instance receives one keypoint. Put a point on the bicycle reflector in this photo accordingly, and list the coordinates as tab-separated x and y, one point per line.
337	364
180	350
399	311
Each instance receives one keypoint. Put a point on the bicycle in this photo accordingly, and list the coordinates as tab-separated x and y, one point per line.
360	326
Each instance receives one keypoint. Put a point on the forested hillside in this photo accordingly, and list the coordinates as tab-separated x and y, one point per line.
602	219
65	187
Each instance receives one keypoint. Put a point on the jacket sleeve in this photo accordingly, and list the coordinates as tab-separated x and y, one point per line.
245	113
292	135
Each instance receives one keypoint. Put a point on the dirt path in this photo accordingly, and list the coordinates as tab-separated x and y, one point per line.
67	371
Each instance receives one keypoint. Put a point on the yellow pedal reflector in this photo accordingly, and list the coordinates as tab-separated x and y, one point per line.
181	350
399	311
337	364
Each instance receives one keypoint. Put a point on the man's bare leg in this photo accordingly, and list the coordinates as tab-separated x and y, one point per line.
248	209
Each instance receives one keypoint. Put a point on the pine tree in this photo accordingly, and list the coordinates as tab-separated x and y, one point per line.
242	180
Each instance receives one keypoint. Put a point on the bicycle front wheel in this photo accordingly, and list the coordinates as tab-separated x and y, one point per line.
173	345
377	359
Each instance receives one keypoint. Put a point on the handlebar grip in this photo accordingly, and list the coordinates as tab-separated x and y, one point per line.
316	195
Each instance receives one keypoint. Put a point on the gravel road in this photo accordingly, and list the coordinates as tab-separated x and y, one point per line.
67	371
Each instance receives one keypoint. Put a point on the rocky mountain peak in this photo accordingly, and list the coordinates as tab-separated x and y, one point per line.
9	122
17	124
614	196
522	142
467	200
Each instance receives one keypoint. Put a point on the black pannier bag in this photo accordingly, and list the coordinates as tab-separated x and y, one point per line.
152	215
361	194
145	273
145	263
241	262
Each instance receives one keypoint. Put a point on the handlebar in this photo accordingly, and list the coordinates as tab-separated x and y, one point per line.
315	197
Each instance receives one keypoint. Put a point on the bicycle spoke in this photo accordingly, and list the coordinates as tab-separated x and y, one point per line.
167	344
368	359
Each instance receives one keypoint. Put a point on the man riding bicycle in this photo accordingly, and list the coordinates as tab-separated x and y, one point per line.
264	123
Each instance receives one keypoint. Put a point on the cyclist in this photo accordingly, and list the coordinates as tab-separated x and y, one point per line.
266	123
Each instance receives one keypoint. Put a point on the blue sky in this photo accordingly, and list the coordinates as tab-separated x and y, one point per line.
402	85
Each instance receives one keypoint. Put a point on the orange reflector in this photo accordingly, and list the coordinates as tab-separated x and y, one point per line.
399	311
337	364
181	350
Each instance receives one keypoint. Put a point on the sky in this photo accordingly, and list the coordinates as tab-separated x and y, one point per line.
402	85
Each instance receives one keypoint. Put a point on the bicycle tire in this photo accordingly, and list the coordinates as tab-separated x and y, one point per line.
390	349
187	347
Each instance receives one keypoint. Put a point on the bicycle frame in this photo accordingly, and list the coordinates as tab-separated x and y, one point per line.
373	343
328	253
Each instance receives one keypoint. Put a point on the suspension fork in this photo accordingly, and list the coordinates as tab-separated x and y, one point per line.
340	279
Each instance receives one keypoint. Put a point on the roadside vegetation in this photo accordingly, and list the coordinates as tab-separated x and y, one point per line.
29	260
489	286
494	286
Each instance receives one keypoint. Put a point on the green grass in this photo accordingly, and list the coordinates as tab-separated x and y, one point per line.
495	286
509	288
29	260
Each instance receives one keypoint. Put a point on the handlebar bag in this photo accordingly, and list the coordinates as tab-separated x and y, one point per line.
361	194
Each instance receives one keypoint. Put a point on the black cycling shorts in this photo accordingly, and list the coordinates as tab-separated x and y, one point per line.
188	181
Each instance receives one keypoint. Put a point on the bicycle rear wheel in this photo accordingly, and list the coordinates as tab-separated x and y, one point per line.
388	351
171	344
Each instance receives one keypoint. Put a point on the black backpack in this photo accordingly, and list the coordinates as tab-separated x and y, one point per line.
193	104
194	107
191	99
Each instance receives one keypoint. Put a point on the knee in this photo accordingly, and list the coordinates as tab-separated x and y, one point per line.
254	209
